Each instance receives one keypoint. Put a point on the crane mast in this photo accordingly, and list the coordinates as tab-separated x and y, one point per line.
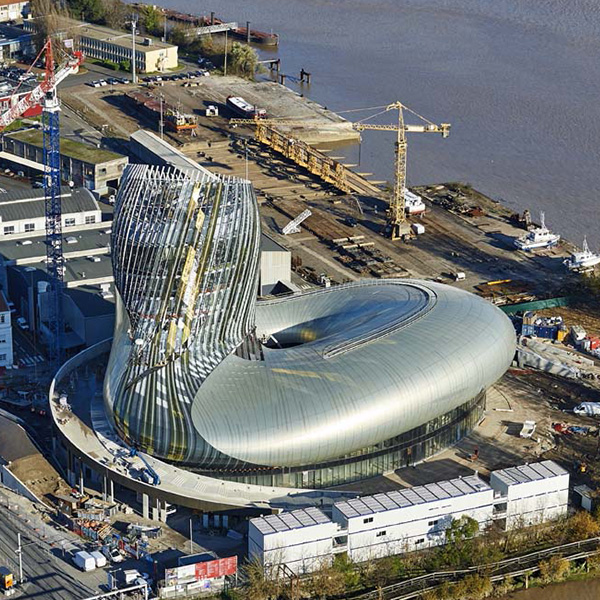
46	94
53	209
396	215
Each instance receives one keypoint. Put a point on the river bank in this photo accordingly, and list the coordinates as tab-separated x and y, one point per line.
518	80
588	589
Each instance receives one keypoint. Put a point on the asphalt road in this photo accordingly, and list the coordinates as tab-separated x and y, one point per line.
48	576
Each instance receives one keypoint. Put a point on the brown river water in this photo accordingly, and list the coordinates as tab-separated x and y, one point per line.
518	79
575	590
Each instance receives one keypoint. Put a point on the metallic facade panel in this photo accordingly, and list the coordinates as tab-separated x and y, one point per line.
203	373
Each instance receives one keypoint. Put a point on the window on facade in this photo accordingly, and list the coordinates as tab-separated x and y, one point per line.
69	222
2	319
2	340
2	357
9	229
29	227
381	533
368	520
90	219
432	523
420	541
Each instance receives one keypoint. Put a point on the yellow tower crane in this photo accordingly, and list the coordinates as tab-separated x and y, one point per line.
396	213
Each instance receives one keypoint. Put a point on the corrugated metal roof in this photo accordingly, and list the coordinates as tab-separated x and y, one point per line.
165	153
17	205
296	519
422	494
546	469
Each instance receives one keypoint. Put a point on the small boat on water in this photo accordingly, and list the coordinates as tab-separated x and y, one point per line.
538	237
585	259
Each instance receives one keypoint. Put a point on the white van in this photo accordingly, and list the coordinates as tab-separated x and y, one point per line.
84	560
99	558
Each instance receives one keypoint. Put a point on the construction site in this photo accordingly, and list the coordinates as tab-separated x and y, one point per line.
339	227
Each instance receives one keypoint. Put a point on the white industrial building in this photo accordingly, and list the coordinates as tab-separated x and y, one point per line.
6	344
301	539
22	213
409	519
530	494
11	10
275	265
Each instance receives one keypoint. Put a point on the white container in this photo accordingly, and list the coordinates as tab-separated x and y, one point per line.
418	228
99	558
84	560
131	575
460	276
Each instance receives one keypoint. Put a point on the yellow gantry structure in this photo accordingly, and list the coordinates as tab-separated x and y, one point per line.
336	173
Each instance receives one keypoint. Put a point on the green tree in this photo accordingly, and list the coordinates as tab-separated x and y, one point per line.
325	582
116	13
582	525
152	20
179	36
458	550
243	60
88	10
554	569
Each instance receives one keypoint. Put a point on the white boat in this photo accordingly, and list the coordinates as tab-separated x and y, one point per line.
539	237
582	260
413	203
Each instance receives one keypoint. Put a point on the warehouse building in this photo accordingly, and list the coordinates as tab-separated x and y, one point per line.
410	519
88	301
22	212
102	43
15	44
86	166
275	265
14	11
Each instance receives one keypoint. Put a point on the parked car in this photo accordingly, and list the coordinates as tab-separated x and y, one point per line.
112	554
22	323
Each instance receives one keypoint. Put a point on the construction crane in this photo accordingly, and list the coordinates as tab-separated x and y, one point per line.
46	94
396	216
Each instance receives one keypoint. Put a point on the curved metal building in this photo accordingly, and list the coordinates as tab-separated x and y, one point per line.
312	390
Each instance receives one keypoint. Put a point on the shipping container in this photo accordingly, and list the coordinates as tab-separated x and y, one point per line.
528	329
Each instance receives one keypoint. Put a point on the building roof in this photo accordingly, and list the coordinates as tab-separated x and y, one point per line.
268	244
10	2
17	205
119	38
546	469
422	494
164	153
296	519
9	34
93	240
90	302
69	148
